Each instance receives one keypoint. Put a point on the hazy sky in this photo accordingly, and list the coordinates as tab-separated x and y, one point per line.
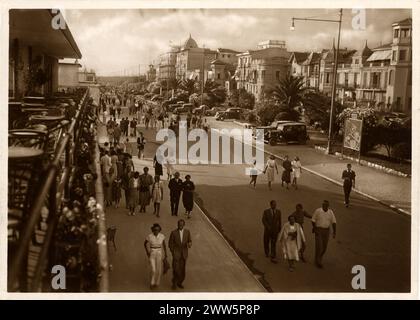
114	40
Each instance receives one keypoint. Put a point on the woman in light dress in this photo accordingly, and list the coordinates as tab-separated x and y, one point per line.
157	195
292	239
156	252
270	166
169	164
296	171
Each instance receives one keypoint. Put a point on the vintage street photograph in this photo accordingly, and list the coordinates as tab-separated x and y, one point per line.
178	150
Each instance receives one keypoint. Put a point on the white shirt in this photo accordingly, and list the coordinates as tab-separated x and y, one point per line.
155	241
323	219
181	234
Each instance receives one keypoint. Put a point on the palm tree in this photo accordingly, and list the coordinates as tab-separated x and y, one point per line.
215	92
188	85
289	94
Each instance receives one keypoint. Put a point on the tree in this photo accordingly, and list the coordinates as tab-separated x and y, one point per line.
289	92
216	94
189	86
317	110
391	134
267	112
241	98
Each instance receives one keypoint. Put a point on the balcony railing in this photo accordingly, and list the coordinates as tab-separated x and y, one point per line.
38	242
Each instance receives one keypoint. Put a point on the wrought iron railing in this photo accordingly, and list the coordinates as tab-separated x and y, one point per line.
52	196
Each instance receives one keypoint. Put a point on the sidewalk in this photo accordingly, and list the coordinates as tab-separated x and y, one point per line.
212	265
390	190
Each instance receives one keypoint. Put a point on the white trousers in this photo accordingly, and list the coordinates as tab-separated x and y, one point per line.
155	260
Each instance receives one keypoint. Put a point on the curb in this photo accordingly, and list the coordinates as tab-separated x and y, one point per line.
367	163
230	247
391	206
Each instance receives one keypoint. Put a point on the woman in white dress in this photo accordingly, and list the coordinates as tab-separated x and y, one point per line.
169	164
292	239
296	171
269	170
157	195
156	252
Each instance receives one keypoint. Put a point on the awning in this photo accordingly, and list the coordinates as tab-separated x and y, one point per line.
33	27
380	55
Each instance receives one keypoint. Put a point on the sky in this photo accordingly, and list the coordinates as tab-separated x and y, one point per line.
124	41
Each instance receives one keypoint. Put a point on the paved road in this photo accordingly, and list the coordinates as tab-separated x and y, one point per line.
369	234
390	189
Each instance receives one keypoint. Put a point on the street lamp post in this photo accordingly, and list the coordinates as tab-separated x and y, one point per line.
332	108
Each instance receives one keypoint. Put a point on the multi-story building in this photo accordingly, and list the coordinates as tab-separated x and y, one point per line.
310	70
261	69
193	62
167	63
296	61
382	76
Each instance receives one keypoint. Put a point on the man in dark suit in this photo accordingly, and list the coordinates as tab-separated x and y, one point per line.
175	187
272	224
349	182
179	243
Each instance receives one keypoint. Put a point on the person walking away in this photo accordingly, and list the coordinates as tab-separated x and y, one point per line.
117	134
179	243
105	162
132	127
108	180
157	165
110	132
287	170
349	182
119	111
299	216
253	173
146	182
141	141
272	225
292	240
157	195
322	220
296	171
116	191
175	187
156	253
188	188
270	166
133	193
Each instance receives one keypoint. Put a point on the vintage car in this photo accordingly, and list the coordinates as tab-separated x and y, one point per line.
231	113
185	108
284	131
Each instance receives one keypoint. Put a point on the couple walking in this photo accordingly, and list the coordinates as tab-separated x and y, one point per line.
291	171
155	246
291	235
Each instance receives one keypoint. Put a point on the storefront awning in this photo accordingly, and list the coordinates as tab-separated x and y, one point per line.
33	27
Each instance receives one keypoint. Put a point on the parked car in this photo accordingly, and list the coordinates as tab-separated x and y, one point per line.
212	112
285	131
185	108
200	110
225	115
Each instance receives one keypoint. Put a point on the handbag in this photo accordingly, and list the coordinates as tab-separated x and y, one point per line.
166	266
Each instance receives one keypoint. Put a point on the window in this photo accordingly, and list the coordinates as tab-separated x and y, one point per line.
390	77
396	33
356	61
364	79
327	80
228	55
386	78
277	75
218	76
403	55
405	33
263	74
394	55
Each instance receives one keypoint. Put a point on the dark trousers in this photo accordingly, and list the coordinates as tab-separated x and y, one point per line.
347	190
178	269
175	203
270	241
322	236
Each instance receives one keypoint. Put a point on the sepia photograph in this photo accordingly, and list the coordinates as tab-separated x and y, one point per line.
209	150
